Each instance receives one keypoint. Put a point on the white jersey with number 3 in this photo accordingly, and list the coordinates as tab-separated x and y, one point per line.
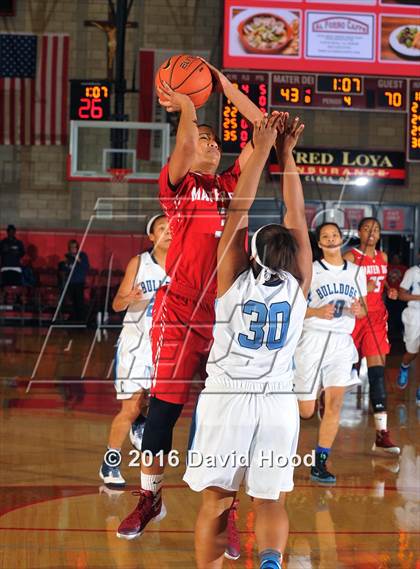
258	325
339	285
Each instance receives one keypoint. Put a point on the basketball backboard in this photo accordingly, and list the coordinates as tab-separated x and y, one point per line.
106	151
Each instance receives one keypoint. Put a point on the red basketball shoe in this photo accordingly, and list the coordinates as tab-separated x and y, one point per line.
150	508
233	550
383	443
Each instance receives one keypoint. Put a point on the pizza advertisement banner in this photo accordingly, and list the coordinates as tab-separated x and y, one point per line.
366	36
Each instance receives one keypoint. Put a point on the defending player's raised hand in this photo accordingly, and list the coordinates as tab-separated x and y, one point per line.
265	131
171	100
232	256
295	218
288	135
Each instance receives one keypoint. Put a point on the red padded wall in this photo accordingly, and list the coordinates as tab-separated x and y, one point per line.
44	249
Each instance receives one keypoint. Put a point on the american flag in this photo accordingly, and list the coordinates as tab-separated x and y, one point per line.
33	89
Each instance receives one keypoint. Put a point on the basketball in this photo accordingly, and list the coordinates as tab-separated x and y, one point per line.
187	74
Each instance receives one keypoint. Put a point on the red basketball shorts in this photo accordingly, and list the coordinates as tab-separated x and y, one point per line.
370	335
181	336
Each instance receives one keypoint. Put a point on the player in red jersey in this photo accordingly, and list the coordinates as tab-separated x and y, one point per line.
370	333
195	199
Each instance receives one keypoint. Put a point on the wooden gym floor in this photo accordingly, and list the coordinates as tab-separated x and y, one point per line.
55	512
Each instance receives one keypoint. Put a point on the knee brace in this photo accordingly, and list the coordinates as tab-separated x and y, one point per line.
160	424
376	375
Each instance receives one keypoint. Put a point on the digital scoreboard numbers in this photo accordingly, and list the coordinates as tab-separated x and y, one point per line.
235	130
338	92
346	84
90	100
391	93
292	90
413	122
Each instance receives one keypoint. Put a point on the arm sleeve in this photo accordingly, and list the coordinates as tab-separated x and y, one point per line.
21	249
407	281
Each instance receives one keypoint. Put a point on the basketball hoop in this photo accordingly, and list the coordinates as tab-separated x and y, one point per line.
119	175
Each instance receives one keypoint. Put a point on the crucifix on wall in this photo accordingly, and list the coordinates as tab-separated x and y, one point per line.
109	27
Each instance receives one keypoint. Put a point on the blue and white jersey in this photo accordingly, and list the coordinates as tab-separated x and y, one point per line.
137	323
258	325
339	285
411	283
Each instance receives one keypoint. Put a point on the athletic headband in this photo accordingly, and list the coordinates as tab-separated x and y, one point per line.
151	222
267	273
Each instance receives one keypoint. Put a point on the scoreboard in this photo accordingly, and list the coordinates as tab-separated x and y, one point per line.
90	100
235	129
339	92
320	91
413	125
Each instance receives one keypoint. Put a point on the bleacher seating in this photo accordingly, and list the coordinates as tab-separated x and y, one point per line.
108	256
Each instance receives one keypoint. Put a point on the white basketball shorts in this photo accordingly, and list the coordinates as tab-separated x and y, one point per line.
133	372
411	321
323	359
244	437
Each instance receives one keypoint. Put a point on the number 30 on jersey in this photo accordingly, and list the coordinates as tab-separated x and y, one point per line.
278	317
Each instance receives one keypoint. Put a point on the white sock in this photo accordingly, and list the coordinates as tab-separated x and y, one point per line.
152	482
380	421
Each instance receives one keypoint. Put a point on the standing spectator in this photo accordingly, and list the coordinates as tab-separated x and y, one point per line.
11	252
77	278
396	271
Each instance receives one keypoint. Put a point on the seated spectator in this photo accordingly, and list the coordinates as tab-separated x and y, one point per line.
11	253
76	267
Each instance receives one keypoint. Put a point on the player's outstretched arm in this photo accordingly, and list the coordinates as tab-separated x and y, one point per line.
244	105
187	134
128	293
295	218
232	256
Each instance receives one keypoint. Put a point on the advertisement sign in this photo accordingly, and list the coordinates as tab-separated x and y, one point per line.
353	167
370	37
393	219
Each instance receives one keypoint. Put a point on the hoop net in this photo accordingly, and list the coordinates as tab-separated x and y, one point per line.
119	175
